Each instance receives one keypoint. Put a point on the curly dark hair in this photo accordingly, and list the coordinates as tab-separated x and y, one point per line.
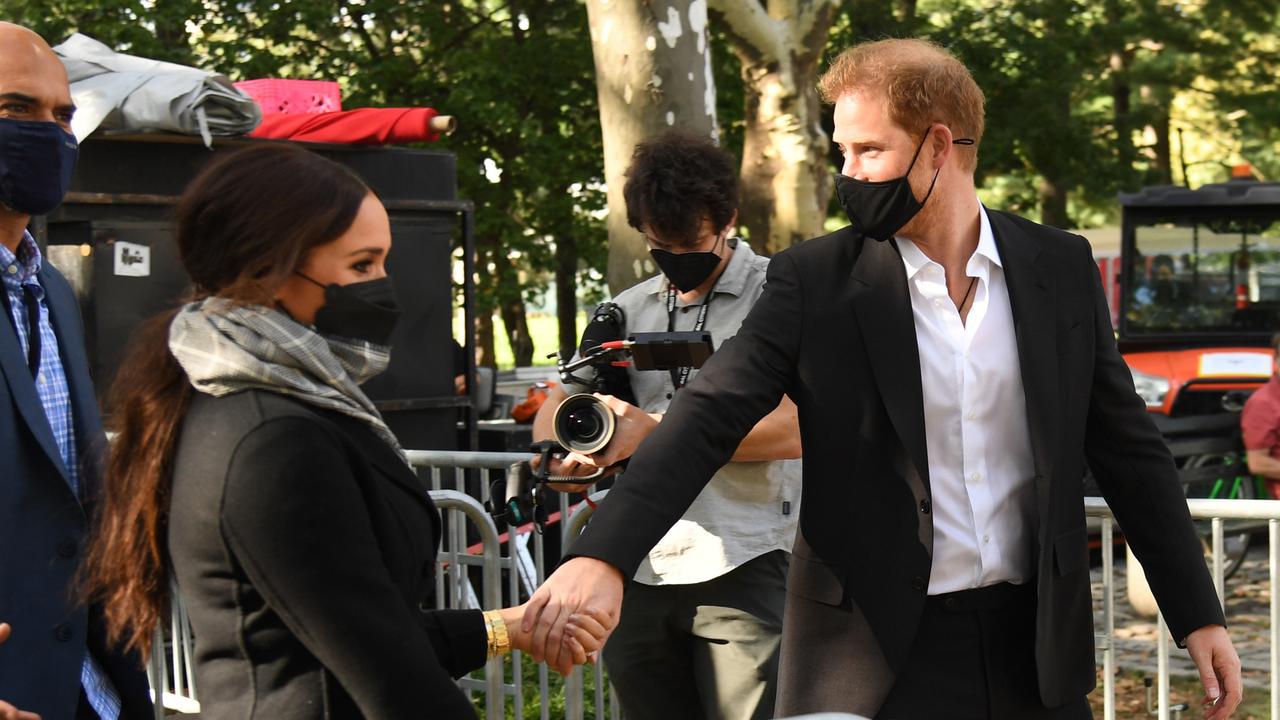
677	179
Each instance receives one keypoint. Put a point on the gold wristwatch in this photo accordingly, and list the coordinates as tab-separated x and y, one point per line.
496	629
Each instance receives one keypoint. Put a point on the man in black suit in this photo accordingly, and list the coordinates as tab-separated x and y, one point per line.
954	367
56	663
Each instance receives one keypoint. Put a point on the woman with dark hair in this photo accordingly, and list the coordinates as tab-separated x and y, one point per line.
248	462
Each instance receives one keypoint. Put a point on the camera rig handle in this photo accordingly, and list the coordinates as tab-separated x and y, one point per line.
522	499
595	356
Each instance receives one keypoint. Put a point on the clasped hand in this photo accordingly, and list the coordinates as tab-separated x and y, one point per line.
581	636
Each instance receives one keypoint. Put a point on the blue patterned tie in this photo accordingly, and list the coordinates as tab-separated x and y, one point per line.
98	689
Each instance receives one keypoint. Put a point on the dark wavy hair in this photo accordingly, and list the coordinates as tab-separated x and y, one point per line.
677	179
243	226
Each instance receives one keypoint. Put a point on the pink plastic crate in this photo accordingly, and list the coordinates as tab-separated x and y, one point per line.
293	96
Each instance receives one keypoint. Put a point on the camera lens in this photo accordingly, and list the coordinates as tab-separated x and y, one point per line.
583	423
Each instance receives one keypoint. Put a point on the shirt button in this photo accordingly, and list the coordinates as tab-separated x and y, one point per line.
937	303
13	269
668	396
62	632
67	548
971	416
976	477
918	583
986	539
925	506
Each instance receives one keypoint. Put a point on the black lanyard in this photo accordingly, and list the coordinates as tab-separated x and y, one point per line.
33	325
680	376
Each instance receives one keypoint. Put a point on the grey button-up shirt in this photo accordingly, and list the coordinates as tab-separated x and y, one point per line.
749	508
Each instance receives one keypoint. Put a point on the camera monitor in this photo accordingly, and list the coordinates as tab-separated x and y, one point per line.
668	350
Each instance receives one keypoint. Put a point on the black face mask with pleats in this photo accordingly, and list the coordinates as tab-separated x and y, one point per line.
880	209
361	311
687	270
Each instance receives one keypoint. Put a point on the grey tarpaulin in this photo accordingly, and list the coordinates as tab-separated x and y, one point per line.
114	91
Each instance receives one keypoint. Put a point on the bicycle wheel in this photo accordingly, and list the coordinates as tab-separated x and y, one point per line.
1235	484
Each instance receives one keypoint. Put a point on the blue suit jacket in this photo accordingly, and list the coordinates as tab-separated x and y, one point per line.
43	527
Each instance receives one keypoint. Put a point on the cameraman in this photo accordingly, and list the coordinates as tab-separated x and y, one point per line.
702	619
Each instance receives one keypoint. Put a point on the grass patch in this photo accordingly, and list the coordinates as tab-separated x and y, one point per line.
531	683
543	328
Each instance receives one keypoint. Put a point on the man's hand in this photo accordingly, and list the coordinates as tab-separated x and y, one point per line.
1210	647
633	426
7	711
584	634
568	467
580	586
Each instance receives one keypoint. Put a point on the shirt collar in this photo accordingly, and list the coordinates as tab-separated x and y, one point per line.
27	262
915	260
734	278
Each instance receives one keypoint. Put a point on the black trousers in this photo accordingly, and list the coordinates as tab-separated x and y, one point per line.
974	659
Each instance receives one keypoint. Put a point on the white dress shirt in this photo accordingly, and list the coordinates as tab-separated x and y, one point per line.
975	420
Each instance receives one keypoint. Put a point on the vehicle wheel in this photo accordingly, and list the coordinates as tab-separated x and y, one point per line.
1235	545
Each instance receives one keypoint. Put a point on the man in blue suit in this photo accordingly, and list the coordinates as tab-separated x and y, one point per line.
56	662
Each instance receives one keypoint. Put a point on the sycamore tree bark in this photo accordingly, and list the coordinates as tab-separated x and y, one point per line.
786	179
653	72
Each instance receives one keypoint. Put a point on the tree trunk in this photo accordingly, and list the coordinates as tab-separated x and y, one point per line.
786	180
511	309
1162	164
485	355
517	326
1121	90
653	71
1053	203
567	293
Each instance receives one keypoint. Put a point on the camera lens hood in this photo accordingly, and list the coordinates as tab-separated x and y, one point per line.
583	424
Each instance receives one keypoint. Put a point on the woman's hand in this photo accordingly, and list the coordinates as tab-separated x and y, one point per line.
9	712
584	635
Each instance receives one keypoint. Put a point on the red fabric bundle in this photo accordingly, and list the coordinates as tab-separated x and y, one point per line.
364	126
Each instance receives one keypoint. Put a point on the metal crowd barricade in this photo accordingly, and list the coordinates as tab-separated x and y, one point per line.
471	474
1216	511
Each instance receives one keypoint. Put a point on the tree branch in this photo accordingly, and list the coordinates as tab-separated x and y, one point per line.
808	13
750	28
375	53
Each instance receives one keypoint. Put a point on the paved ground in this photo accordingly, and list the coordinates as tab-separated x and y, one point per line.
1248	614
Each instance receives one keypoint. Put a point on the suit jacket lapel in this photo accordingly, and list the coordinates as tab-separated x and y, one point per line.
1034	304
22	387
882	304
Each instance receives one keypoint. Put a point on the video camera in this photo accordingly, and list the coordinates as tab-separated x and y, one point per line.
583	423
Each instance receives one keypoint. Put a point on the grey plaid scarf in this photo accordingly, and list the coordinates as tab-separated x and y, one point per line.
226	348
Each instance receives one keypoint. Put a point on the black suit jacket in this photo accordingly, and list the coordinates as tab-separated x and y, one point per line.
43	527
305	550
834	331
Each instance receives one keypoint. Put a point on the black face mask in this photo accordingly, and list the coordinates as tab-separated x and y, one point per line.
37	159
361	311
686	270
880	209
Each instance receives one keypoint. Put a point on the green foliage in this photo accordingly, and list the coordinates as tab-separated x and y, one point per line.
149	29
1085	97
518	76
